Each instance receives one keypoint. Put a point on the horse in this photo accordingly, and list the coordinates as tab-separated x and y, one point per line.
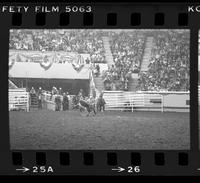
84	104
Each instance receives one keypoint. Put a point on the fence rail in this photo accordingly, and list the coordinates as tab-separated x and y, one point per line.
18	99
115	100
48	100
147	100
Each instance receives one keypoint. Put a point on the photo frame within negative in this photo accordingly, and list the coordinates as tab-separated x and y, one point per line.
118	79
99	89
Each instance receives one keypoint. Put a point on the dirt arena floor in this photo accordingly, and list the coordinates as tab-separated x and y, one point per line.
43	129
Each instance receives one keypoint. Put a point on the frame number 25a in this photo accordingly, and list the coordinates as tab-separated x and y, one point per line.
42	169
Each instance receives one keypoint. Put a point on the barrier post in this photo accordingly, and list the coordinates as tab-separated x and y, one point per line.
162	103
143	100
28	109
131	103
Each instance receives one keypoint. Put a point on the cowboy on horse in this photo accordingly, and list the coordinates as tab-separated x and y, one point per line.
89	105
85	104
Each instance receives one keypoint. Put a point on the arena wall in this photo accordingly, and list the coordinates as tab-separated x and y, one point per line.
176	102
147	101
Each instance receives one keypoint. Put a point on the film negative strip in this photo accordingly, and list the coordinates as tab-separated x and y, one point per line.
99	89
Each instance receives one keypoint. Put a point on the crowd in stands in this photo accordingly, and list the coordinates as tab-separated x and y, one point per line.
169	67
96	70
115	78
79	41
127	50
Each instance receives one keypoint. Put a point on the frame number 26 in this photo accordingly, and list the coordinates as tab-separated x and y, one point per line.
135	169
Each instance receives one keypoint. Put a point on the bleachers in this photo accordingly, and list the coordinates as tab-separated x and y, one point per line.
147	54
168	67
57	40
161	58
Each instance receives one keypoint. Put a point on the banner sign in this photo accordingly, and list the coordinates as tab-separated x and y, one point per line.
47	58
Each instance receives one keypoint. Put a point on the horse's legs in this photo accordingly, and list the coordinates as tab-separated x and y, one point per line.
81	108
88	110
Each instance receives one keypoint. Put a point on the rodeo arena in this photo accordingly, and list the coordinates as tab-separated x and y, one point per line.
99	89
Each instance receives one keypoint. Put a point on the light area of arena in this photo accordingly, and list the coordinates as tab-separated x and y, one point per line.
114	130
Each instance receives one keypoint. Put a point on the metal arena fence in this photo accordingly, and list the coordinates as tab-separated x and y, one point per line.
115	100
18	99
48	100
147	101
